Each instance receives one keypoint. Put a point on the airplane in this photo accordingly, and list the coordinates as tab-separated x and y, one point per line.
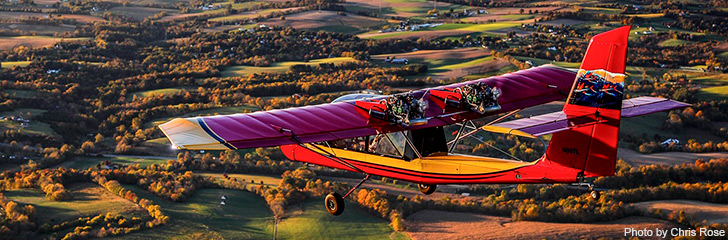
401	136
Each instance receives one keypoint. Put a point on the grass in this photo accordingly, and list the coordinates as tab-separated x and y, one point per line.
713	93
711	80
7	43
477	27
206	112
509	68
673	42
236	71
518	16
268	180
245	216
84	162
14	64
20	93
245	15
156	92
651	124
483	27
34	127
310	220
539	62
464	64
89	199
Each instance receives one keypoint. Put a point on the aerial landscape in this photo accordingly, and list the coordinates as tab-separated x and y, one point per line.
112	119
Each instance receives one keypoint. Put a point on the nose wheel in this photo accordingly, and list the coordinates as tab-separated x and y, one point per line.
334	203
427	189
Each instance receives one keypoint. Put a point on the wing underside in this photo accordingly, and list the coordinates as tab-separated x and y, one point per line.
557	121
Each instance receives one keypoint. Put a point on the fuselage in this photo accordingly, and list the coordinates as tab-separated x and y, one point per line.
438	168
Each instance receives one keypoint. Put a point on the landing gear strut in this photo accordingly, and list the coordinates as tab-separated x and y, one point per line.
427	189
334	202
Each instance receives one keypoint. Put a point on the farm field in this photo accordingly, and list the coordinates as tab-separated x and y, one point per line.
309	220
416	9
156	92
250	14
7	43
444	30
665	158
710	213
434	224
89	199
237	71
39	29
328	21
245	216
85	162
140	13
34	127
24	15
19	93
713	93
268	180
447	64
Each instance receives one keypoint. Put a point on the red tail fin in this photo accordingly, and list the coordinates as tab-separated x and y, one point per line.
594	108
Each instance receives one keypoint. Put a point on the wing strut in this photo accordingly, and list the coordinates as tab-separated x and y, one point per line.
322	152
455	141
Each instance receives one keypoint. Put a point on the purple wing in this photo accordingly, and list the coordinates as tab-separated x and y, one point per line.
345	120
555	122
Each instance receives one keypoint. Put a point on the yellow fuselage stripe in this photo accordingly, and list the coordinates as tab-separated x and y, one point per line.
436	164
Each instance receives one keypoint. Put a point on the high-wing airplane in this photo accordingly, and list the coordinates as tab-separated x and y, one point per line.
401	136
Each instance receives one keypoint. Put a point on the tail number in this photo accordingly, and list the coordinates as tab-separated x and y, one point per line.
570	151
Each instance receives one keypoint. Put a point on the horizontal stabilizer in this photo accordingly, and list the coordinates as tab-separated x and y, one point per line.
557	121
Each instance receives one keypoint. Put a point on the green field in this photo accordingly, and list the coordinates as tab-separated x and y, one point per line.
156	147
674	42
206	112
13	64
539	62
310	220
268	180
711	80
476	28
245	15
464	64
245	216
20	93
156	92
713	93
651	124
87	162
89	199
35	127
236	71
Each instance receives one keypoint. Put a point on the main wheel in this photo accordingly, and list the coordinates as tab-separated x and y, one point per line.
334	204
427	189
595	195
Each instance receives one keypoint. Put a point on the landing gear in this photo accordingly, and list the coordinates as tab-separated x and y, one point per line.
595	195
334	202
427	189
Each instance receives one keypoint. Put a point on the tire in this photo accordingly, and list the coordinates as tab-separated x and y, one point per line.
427	189
595	195
334	204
